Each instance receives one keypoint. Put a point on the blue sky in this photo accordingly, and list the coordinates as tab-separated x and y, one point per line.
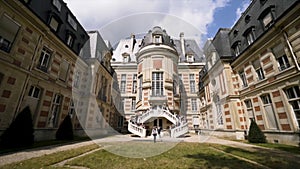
226	16
116	19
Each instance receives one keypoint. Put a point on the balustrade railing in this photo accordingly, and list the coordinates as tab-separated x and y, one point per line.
157	113
137	130
179	130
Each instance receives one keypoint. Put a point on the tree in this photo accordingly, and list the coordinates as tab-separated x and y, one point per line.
255	134
20	133
65	130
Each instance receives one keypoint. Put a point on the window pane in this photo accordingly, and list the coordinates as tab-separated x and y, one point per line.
54	24
8	32
267	19
57	4
72	22
64	67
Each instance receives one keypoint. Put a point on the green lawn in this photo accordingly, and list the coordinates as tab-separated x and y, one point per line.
183	155
47	160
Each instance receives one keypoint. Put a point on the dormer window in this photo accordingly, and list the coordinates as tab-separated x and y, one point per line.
250	35
157	39
57	4
54	24
70	40
190	58
236	48
267	17
126	57
72	22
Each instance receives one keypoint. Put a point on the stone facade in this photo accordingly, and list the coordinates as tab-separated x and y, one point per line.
41	67
261	72
174	64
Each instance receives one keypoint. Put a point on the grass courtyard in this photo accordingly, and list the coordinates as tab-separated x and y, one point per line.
183	155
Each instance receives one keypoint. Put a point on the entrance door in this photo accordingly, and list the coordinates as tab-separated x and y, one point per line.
160	123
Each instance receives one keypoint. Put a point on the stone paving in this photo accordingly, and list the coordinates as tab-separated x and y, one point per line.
31	153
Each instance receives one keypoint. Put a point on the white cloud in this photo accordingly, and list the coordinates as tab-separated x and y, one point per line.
241	9
102	14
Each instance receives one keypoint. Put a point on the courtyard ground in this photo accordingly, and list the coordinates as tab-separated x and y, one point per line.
190	152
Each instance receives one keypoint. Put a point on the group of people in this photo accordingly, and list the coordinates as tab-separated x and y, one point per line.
156	132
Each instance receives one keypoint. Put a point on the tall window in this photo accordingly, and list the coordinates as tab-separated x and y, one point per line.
134	83
34	92
269	111
258	69
282	60
70	40
243	78
55	110
249	106
192	83
44	59
250	36
122	104
76	79
175	87
219	110
123	83
33	100
157	84
293	95
63	71
71	109
237	48
133	103
194	104
140	87
8	32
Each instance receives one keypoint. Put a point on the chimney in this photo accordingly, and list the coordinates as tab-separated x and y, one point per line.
181	35
133	41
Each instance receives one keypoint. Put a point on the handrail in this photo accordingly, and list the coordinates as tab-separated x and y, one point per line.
179	130
157	113
137	130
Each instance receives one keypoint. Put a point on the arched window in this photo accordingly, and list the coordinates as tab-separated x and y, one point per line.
267	17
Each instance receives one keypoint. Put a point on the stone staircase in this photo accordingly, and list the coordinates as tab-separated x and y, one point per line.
181	126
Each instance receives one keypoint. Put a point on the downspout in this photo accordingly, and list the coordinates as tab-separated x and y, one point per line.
291	50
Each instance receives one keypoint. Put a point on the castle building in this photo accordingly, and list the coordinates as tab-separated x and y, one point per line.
41	67
253	73
157	78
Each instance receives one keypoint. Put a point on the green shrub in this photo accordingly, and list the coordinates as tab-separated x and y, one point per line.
20	133
255	134
65	130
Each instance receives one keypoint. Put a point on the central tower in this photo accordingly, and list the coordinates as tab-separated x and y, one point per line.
157	62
